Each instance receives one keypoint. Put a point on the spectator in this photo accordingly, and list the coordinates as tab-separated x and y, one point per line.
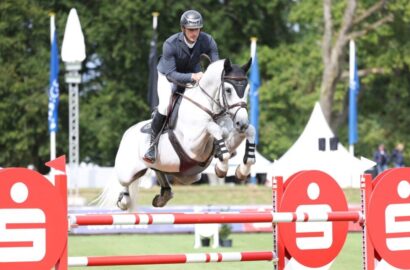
397	156
381	158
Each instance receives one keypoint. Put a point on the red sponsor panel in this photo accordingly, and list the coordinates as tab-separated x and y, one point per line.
32	221
313	244
388	219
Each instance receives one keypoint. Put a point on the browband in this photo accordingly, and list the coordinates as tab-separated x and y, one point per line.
235	78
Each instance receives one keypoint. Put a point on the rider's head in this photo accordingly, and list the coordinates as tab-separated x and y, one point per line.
191	24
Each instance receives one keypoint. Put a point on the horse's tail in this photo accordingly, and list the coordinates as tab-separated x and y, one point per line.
109	196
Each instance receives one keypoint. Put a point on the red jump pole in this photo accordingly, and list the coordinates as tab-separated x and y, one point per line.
172	258
212	217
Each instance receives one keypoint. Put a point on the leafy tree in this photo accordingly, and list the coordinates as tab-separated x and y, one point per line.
24	57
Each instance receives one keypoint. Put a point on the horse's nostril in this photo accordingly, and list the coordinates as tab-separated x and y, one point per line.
238	123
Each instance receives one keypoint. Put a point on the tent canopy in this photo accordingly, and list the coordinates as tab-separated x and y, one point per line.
305	154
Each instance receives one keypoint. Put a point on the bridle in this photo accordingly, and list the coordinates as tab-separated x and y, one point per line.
235	82
225	107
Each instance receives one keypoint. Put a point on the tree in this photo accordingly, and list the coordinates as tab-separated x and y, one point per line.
293	75
334	43
24	58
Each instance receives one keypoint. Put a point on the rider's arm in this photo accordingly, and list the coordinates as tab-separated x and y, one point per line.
213	50
169	65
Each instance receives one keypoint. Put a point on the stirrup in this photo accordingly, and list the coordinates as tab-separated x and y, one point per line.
148	158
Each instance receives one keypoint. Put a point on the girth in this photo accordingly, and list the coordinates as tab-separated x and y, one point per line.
187	166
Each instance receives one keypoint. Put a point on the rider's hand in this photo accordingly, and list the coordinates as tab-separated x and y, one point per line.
197	76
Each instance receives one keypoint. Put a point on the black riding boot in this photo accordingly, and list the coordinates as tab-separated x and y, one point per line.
156	126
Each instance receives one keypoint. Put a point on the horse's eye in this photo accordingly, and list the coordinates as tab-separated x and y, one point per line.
228	91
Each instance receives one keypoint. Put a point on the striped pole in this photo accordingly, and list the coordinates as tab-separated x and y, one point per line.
172	258
212	217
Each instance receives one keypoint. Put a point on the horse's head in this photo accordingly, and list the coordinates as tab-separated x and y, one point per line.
227	86
234	93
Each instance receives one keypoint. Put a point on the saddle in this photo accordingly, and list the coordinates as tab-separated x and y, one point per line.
187	165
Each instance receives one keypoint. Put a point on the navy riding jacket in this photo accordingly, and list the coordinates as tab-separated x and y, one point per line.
178	61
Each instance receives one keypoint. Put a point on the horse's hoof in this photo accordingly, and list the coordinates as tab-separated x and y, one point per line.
219	172
161	200
239	175
123	201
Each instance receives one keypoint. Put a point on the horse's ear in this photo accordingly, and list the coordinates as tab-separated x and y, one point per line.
227	65
205	61
247	65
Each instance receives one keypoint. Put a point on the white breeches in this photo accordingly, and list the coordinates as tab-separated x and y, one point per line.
164	91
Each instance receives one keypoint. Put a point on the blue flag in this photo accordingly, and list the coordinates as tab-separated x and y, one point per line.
53	92
354	88
255	83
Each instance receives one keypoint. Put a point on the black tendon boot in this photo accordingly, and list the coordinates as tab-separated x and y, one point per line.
156	126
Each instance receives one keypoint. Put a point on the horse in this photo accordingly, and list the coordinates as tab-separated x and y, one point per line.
212	121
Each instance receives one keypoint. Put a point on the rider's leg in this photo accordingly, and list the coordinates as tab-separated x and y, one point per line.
164	95
156	126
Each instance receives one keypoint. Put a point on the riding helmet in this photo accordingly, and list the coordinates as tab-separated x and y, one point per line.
191	19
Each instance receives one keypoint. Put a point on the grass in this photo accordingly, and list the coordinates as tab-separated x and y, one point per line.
103	245
214	195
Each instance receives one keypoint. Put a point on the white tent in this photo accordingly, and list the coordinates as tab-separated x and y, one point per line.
305	155
262	165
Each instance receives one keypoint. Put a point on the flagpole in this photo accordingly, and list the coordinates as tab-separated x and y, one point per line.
352	53
155	20
52	133
254	99
152	95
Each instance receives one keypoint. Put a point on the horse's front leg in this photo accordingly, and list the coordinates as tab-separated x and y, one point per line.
244	169
166	194
221	151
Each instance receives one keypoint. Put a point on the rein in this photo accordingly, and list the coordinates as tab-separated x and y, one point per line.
225	107
213	115
188	85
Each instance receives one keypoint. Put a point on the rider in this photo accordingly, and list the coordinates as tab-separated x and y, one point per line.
179	65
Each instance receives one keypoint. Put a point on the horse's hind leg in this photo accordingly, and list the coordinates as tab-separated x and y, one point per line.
166	194
124	199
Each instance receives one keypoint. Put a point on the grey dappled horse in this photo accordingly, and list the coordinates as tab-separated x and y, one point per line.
212	121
